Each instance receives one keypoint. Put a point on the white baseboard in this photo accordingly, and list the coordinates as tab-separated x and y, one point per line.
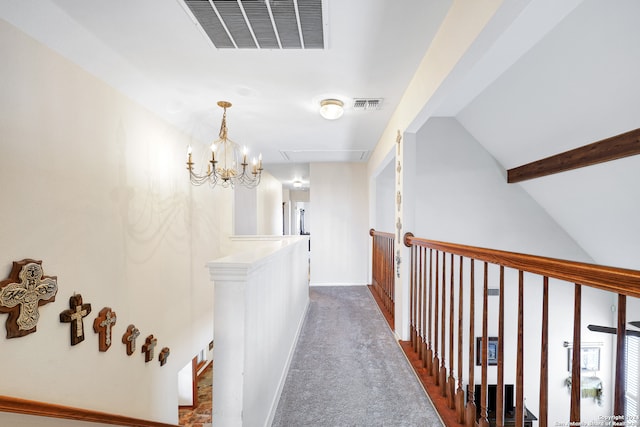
336	284
283	377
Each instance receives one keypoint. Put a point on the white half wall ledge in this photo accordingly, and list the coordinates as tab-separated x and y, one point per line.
261	296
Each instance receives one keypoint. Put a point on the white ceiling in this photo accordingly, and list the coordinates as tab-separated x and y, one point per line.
578	84
543	77
157	54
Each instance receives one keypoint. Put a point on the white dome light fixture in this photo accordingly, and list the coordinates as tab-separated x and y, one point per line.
331	109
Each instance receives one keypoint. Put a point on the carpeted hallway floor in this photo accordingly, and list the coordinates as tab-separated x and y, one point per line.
348	370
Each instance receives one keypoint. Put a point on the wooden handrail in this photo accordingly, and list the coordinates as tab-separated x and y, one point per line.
612	279
623	282
30	407
373	232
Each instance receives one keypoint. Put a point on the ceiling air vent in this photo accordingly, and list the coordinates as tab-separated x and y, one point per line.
251	24
367	104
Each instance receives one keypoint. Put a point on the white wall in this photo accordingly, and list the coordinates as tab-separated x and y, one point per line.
385	185
258	210
269	205
95	186
340	234
463	198
245	211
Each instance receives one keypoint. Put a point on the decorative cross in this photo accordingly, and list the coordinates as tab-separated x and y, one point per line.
398	262
399	200
149	344
164	355
398	140
129	339
22	293
74	316
399	227
102	326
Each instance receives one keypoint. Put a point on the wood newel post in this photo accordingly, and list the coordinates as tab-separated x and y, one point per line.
544	355
484	421
619	405
459	391
470	415
520	356
412	297
575	368
500	387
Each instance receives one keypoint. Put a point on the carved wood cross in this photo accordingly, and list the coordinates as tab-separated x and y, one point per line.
102	326
22	293
129	339
164	355
74	316
149	344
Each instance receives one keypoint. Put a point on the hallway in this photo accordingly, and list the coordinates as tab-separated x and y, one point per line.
348	370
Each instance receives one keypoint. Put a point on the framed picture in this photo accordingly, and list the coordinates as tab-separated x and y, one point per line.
492	351
589	358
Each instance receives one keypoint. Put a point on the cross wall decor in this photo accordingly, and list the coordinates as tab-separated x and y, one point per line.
26	289
74	316
129	339
102	326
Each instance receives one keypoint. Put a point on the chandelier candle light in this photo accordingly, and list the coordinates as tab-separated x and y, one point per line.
223	166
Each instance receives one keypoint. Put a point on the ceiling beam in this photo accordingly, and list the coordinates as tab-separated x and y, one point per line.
616	147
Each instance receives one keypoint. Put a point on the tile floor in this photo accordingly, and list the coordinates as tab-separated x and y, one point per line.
201	415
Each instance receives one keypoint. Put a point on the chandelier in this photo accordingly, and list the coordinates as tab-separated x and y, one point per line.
227	167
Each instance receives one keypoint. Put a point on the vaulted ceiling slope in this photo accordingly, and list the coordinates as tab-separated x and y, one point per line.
578	84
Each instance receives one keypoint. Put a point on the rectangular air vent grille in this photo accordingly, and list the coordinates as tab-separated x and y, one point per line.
251	24
367	104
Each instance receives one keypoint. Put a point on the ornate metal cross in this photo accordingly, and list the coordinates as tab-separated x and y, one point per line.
74	316
22	293
164	355
129	339
102	326
149	344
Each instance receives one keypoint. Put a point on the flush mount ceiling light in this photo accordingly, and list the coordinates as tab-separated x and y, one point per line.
297	184
331	109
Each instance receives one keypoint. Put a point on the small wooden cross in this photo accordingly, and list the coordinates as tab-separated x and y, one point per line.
164	355
22	293
74	316
102	326
129	339
149	344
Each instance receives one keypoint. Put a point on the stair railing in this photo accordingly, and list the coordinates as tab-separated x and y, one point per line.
432	272
383	270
